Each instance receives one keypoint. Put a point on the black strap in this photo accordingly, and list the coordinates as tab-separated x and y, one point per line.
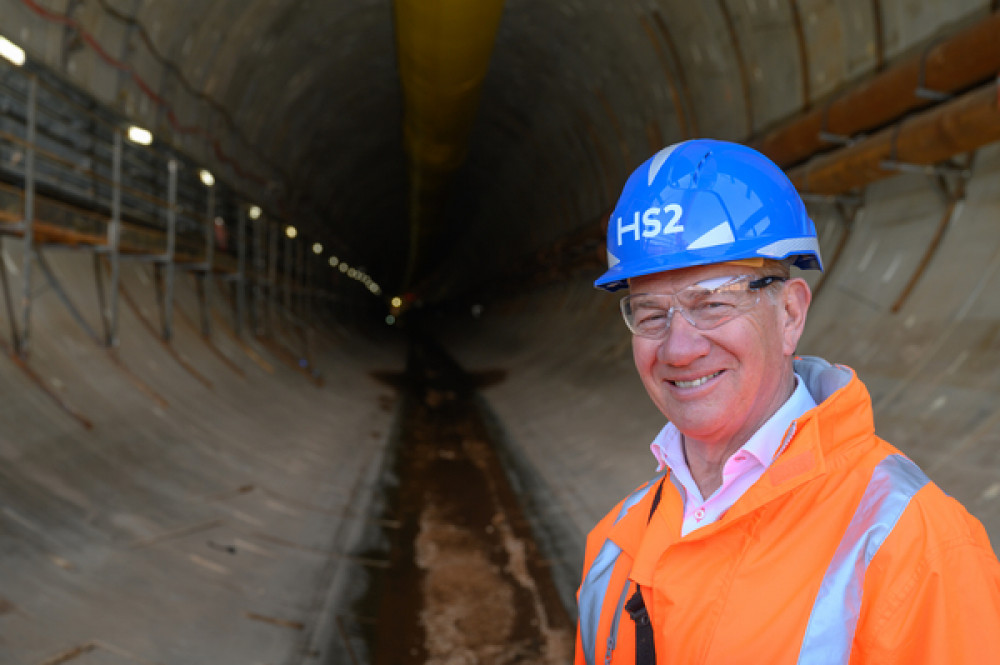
645	649
656	500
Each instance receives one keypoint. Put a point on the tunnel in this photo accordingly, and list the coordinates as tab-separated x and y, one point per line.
246	242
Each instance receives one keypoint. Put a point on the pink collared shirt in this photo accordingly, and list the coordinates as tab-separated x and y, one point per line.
742	470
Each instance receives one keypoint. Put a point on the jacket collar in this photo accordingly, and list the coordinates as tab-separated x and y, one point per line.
843	415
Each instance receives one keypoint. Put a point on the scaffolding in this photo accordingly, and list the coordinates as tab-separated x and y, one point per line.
73	177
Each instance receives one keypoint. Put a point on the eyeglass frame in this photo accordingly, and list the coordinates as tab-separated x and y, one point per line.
752	284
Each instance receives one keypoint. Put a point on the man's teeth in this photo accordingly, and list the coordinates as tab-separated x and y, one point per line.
696	382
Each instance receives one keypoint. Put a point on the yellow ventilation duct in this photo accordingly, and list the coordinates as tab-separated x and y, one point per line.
444	49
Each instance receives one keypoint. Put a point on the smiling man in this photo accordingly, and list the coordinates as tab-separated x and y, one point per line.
781	528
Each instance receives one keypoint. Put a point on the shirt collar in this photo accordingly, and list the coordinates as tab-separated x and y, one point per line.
668	450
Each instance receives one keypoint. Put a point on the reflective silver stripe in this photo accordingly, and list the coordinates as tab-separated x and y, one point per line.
592	591
595	582
834	619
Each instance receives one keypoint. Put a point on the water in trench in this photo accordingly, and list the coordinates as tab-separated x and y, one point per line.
465	581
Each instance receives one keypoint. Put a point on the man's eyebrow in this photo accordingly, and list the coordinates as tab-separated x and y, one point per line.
715	282
644	299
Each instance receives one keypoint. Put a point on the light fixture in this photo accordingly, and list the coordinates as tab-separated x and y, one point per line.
254	212
317	248
219	221
139	135
334	261
396	301
206	176
11	52
389	320
291	231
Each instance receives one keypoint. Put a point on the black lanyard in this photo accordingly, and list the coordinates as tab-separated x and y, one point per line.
645	649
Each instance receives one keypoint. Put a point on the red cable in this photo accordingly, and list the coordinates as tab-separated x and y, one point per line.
156	99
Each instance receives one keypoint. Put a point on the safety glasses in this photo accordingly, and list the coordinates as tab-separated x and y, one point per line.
705	305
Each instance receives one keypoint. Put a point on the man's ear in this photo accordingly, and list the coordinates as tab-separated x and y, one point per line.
795	299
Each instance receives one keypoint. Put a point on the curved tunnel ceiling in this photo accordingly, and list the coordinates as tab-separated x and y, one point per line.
143	472
577	94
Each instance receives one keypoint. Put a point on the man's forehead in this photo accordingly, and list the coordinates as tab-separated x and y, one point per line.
674	280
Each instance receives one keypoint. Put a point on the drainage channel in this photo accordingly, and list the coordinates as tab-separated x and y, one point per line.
466	582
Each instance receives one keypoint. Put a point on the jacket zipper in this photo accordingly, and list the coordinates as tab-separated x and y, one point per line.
613	632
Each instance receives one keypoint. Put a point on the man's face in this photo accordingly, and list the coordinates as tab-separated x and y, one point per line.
719	386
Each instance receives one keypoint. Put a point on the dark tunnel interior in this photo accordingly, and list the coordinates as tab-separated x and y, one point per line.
348	216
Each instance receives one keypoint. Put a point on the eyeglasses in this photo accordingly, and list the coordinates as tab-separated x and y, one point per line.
704	305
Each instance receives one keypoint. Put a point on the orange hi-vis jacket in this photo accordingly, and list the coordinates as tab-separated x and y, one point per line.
843	552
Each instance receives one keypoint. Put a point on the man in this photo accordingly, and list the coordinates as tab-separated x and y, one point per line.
782	529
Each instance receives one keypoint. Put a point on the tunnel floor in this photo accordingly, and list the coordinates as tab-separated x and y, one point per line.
466	582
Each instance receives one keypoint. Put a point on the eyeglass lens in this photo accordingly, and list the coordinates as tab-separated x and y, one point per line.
649	315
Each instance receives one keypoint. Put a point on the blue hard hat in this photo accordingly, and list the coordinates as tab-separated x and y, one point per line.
705	201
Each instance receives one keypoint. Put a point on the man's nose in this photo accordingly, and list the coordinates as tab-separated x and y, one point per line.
682	343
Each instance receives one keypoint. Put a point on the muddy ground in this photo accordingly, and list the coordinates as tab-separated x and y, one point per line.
466	583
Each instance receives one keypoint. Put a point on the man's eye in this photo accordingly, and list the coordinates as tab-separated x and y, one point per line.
647	316
713	302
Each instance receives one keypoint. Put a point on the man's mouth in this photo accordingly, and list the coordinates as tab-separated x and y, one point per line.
695	382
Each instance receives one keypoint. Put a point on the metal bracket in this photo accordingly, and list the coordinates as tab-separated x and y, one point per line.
839	139
953	189
943	168
830	137
933	95
922	91
64	297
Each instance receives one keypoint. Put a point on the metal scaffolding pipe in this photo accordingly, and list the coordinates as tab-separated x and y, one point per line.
922	141
114	238
169	262
29	214
963	60
241	268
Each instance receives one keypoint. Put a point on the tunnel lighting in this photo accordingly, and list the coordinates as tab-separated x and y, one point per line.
334	261
344	267
291	231
396	301
11	52
139	135
206	176
352	273
254	212
317	248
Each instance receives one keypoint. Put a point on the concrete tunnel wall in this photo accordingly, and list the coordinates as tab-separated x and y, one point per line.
208	513
117	541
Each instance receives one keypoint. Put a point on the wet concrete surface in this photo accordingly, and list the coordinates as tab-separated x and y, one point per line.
466	583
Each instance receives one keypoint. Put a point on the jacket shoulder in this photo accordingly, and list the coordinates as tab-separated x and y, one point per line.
932	592
600	532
